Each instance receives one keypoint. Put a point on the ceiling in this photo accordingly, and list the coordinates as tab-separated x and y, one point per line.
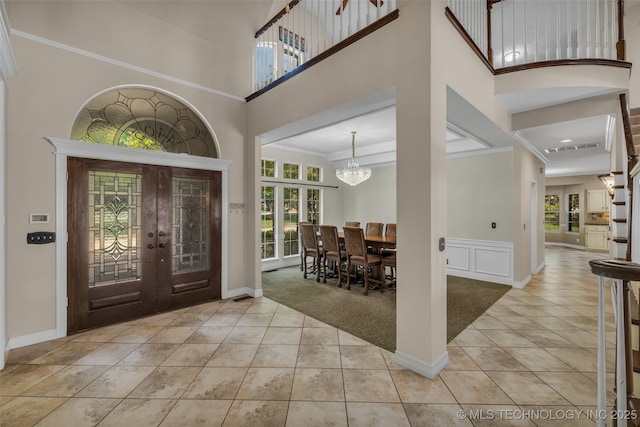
374	121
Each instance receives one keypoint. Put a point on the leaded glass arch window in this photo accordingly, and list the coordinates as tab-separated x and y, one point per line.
144	118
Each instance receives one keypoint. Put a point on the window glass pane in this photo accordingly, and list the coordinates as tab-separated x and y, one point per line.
291	171
313	174
573	220
115	221
291	219
268	168
313	206
264	64
552	212
267	229
290	60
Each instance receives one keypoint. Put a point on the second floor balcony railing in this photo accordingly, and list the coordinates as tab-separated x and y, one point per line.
518	32
305	29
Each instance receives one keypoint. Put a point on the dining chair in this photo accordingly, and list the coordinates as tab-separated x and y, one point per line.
357	256
302	246
352	224
374	229
388	261
389	231
332	250
311	248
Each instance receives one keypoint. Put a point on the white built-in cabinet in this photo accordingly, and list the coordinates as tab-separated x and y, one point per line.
597	237
597	201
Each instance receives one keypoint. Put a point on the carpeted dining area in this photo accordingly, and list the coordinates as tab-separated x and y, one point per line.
373	317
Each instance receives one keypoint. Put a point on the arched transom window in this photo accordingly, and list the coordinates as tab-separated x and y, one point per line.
143	118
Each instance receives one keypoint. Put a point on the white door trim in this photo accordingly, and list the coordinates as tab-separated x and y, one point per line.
65	148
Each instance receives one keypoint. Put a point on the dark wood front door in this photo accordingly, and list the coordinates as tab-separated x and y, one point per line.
142	239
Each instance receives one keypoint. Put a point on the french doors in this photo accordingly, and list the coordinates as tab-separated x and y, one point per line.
142	239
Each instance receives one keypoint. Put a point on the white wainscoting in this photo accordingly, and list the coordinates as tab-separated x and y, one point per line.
481	260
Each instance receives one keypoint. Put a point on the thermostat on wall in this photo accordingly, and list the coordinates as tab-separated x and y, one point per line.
38	218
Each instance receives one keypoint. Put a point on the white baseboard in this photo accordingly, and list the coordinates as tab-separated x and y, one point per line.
482	277
35	338
428	370
540	267
232	293
522	284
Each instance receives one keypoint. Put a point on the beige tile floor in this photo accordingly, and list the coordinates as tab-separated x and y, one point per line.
529	360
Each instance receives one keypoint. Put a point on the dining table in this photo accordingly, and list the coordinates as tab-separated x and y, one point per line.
374	241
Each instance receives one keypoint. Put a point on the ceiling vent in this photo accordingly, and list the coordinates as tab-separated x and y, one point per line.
571	148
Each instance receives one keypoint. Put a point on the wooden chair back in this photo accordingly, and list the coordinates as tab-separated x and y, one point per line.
354	242
374	229
352	224
309	238
390	230
329	237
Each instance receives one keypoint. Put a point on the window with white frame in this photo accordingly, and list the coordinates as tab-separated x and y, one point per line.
291	218
573	213
313	206
313	173
552	212
290	171
267	222
268	168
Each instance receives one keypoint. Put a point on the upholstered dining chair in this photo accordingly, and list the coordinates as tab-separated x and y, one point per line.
388	261
352	224
390	230
357	256
374	229
311	248
332	251
302	260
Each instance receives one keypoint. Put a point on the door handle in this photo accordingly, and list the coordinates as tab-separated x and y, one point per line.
149	246
162	245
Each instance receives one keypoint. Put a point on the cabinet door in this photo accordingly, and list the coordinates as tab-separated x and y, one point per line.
597	240
597	201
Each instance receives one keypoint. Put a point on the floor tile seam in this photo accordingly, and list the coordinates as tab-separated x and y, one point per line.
502	370
52	411
40	378
457	399
536	373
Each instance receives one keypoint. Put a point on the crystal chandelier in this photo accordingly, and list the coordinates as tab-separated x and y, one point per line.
353	174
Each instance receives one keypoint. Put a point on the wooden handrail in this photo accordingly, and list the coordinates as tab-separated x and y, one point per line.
279	15
626	124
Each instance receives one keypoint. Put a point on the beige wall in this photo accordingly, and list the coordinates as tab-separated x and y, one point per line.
480	190
632	35
372	201
43	99
529	178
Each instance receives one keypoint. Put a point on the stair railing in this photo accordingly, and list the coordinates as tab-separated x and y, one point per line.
517	33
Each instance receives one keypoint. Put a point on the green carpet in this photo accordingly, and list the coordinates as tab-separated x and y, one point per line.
373	317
